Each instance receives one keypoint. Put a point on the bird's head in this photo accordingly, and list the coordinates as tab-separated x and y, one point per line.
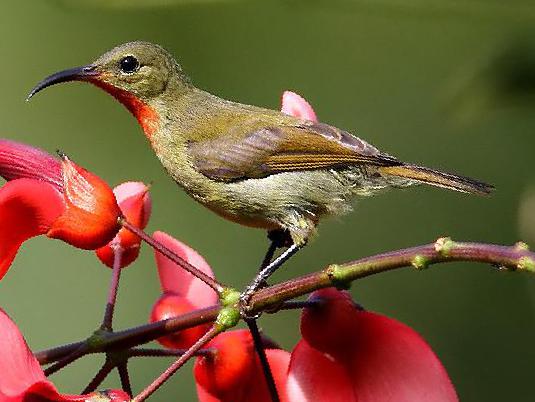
136	73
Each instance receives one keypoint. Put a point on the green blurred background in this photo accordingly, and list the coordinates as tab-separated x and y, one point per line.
449	84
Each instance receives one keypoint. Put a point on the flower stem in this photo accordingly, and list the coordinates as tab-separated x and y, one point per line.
99	377
54	354
297	305
218	287
158	382
125	378
107	321
65	361
148	352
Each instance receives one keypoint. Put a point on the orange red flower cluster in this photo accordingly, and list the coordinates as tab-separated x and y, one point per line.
50	196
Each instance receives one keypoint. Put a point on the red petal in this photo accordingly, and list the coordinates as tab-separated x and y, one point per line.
234	374
230	367
314	376
28	208
205	396
19	160
135	204
171	305
295	105
134	200
335	320
106	254
176	280
43	392
385	359
20	369
91	217
279	362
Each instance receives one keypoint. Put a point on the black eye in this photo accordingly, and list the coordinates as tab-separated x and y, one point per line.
129	64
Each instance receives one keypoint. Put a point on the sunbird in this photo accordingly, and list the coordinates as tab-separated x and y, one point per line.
251	165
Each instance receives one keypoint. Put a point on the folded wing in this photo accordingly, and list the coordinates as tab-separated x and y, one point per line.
271	150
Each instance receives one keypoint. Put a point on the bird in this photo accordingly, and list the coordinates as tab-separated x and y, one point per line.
251	165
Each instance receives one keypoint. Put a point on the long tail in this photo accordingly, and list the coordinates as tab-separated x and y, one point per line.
438	179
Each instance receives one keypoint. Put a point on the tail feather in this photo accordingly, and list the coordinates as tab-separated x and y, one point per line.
438	178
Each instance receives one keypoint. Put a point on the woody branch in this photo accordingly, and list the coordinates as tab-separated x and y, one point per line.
270	299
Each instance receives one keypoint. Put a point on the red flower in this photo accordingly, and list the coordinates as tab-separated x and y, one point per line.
182	292
351	355
135	204
233	372
23	380
53	197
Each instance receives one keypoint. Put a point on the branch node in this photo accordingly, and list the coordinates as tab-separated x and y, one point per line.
97	339
526	264
229	297
228	317
420	262
337	276
521	246
444	245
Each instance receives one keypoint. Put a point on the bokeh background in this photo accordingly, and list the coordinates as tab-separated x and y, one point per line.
449	84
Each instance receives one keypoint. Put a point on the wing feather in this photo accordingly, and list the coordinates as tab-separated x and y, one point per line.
272	150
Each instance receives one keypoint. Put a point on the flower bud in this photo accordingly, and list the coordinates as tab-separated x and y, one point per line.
135	204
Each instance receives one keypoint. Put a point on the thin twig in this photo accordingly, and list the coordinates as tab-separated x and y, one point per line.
107	321
218	287
99	377
149	352
158	382
149	332
297	305
261	352
125	378
65	361
54	354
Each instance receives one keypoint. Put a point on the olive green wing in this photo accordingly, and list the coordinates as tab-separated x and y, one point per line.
283	148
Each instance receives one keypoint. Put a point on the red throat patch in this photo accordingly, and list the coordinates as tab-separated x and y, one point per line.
147	117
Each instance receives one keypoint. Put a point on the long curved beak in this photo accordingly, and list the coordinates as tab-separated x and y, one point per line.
72	74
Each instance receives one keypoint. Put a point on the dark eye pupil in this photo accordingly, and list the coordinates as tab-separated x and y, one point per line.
129	64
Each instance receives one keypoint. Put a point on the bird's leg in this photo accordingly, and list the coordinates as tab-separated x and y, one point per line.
271	268
273	246
278	239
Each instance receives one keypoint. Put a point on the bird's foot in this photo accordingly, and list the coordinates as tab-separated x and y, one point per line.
261	279
245	300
